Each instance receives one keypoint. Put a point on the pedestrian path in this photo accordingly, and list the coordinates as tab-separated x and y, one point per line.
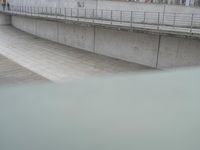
175	27
57	62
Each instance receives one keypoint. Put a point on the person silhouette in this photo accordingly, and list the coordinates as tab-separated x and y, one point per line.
3	5
8	5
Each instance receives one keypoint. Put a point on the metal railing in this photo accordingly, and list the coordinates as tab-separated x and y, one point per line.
114	17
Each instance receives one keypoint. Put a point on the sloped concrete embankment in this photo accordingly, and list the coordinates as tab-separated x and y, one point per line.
5	19
158	51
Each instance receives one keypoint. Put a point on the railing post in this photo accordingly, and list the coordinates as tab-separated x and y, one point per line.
158	21
96	14
163	19
85	13
11	9
65	13
174	21
71	13
192	19
56	12
144	17
131	19
121	16
78	14
93	15
111	17
102	14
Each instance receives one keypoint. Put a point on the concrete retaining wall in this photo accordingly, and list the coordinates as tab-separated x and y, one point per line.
130	46
178	52
142	48
5	19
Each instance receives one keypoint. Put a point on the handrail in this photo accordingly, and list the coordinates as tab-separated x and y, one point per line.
187	21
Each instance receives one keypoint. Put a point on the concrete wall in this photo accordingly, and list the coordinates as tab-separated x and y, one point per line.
81	37
178	52
130	46
147	49
5	19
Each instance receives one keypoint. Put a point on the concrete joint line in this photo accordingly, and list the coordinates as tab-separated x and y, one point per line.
158	52
94	42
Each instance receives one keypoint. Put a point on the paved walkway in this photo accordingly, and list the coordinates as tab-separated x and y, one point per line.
57	62
161	28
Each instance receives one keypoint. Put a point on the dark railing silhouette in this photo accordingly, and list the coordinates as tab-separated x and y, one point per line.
184	22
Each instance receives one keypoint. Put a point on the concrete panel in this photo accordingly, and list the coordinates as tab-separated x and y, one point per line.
5	19
134	47
25	24
77	36
18	22
178	52
47	29
30	25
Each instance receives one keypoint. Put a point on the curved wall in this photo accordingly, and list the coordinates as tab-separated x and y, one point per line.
158	51
5	19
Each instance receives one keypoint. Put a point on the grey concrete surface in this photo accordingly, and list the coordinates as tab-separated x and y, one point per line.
5	19
82	37
12	73
142	48
130	46
58	62
178	52
117	44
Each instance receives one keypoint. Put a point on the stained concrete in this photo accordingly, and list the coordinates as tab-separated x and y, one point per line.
178	52
58	62
5	19
12	73
81	37
158	51
135	47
